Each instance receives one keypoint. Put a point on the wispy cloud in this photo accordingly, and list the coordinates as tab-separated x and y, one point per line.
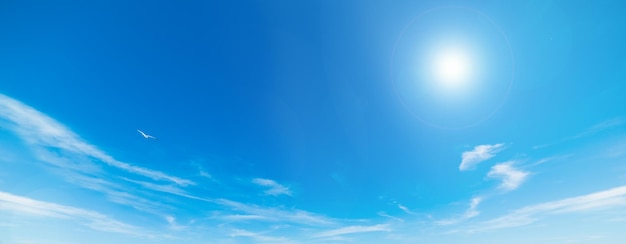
383	214
242	217
471	212
242	211
511	177
470	159
277	214
597	128
171	189
604	125
39	129
91	219
258	237
171	220
611	198
550	159
205	174
353	229
115	192
405	209
275	189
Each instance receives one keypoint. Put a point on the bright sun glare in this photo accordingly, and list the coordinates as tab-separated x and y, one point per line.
452	68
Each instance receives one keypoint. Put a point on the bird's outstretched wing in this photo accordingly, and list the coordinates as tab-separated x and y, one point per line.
143	134
146	135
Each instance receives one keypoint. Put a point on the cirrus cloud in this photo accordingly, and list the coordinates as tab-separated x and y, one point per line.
511	177
469	159
275	189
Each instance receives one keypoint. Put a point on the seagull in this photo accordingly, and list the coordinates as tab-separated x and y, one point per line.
146	135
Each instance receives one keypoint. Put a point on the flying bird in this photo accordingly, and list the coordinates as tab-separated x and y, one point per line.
146	135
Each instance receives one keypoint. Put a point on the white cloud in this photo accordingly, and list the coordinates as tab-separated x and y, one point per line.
242	217
471	212
171	220
611	198
93	220
258	237
383	214
607	124
597	128
511	177
276	214
470	159
205	174
550	159
353	229
39	129
405	209
172	189
242	211
115	192
275	189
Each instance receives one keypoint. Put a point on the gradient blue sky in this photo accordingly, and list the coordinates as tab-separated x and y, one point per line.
311	122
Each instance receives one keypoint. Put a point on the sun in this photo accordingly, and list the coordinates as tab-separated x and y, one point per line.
452	68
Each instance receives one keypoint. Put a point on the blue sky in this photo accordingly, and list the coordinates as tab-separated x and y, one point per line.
312	122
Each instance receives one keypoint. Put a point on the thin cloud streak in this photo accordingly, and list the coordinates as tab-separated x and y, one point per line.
607	199
242	217
276	214
171	189
40	129
405	209
480	153
171	220
549	159
511	177
115	193
259	237
156	187
597	128
250	211
205	174
471	212
83	173
353	229
604	125
275	189
91	219
383	214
